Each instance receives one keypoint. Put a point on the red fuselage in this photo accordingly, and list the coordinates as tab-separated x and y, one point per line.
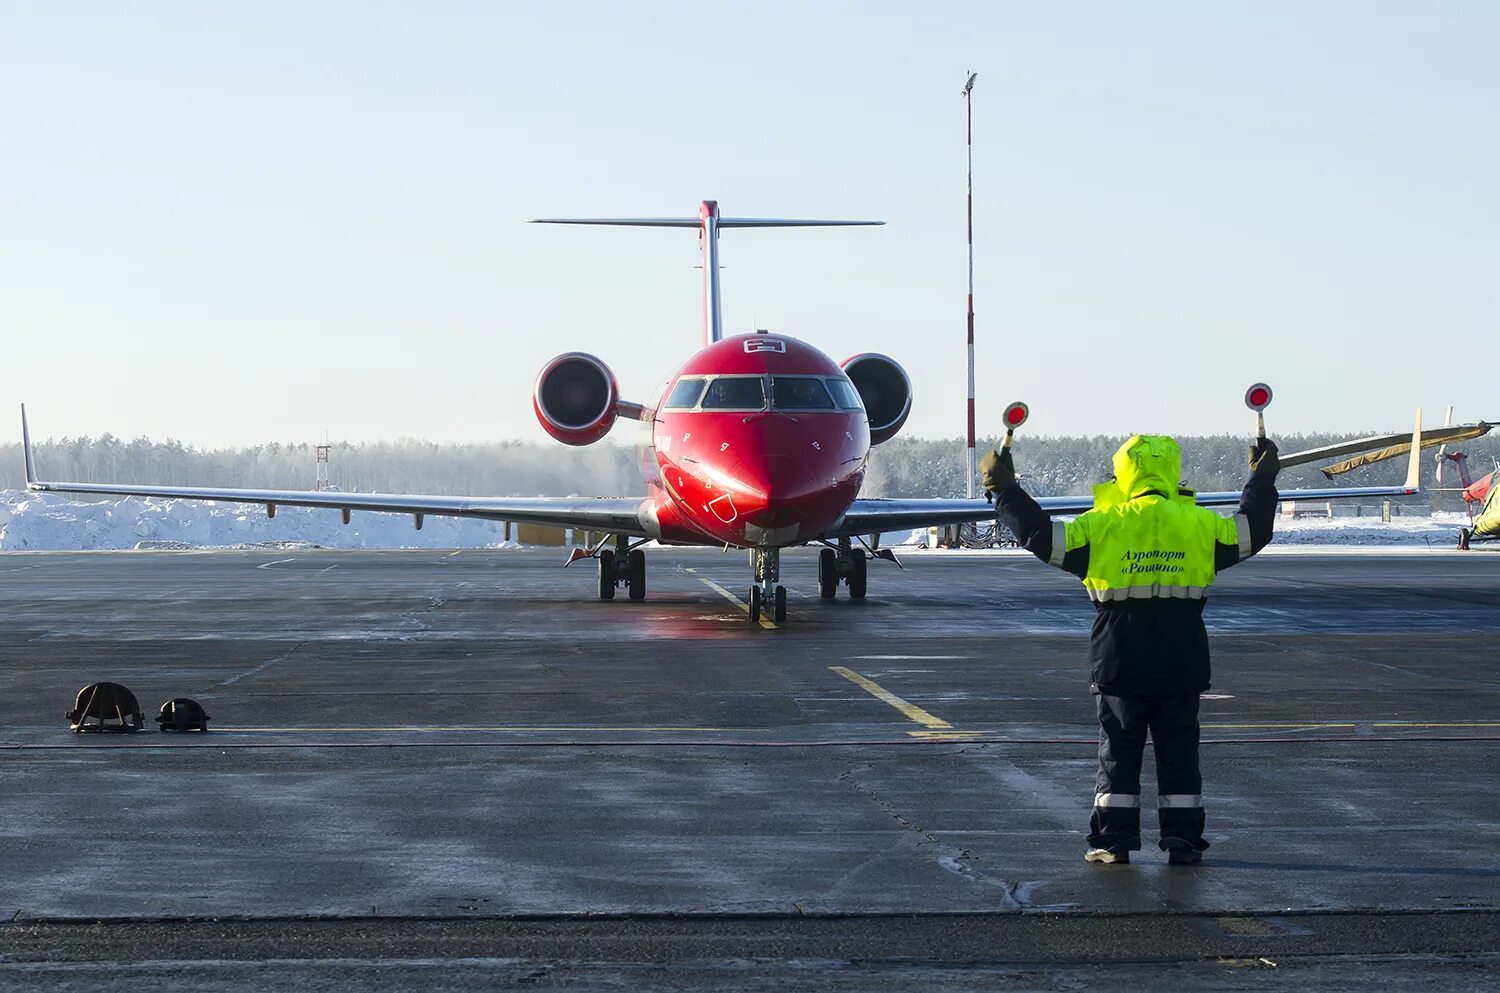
759	440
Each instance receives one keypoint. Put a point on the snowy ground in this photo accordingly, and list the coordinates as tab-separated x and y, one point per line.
47	521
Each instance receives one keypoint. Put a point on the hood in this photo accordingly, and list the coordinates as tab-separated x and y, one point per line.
1144	463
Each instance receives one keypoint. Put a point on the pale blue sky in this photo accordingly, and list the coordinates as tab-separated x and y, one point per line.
238	222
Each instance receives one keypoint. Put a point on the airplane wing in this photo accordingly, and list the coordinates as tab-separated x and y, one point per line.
616	515
872	516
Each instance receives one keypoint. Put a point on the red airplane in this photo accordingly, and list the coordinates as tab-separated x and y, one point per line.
759	441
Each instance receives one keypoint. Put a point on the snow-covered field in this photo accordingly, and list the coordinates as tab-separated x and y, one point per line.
47	521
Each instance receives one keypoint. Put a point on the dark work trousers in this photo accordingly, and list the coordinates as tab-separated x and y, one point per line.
1123	724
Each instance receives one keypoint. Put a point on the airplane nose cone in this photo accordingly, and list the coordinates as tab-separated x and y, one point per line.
773	480
785	496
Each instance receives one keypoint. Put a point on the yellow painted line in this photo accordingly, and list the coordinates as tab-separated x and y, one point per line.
1421	724
1302	726
909	710
947	735
515	729
764	622
459	552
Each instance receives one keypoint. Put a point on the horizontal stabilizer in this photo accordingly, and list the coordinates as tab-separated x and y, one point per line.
694	222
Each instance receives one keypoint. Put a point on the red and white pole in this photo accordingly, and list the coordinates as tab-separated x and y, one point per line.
971	459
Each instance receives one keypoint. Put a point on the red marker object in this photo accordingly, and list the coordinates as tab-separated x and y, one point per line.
1258	398
1015	415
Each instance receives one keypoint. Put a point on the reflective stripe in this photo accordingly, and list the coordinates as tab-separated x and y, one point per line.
1242	532
1157	590
1059	544
1180	800
1117	800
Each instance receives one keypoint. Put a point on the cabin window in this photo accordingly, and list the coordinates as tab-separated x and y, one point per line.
799	393
845	395
735	393
685	394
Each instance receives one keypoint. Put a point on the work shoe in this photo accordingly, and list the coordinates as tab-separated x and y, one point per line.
1181	853
1105	856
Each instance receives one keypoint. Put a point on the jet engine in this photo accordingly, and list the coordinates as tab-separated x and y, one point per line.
576	398
885	391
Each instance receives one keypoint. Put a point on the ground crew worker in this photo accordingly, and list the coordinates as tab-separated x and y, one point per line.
1146	554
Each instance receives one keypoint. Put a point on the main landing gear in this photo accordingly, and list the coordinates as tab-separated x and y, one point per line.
767	596
624	566
845	564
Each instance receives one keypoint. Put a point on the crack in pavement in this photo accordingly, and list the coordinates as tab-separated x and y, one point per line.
954	859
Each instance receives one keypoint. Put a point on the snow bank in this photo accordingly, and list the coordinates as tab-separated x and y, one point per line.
1439	531
42	521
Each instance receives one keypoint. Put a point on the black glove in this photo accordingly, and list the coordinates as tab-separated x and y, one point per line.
997	471
1263	458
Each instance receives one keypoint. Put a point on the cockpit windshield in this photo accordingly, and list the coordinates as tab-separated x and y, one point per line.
799	393
845	393
735	393
684	395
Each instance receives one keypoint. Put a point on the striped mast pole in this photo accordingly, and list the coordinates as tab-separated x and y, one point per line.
970	461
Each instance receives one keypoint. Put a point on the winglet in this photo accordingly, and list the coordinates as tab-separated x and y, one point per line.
1414	467
26	446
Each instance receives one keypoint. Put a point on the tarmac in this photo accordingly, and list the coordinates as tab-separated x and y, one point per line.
459	770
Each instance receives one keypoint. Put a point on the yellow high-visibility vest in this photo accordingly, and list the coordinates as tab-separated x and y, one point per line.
1146	537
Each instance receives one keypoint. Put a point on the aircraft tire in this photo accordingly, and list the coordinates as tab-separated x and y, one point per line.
637	574
828	574
606	575
857	578
779	614
755	605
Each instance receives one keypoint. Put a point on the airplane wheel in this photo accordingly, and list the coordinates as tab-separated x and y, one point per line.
857	578
606	575
779	614
828	573
637	575
755	605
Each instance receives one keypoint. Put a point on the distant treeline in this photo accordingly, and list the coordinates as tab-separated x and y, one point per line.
903	467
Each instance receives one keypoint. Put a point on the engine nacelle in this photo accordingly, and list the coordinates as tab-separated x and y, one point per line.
885	391
576	398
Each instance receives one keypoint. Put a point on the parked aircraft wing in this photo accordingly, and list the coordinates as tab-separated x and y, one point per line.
1395	443
616	515
872	516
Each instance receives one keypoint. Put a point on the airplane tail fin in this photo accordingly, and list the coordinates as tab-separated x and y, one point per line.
1413	482
708	222
26	448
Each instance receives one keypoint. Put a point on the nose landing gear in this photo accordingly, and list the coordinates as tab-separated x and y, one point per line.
767	596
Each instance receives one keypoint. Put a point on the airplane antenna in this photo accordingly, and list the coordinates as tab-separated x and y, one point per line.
973	465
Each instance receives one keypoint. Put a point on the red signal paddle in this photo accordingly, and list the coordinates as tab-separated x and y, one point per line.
1258	398
1015	415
